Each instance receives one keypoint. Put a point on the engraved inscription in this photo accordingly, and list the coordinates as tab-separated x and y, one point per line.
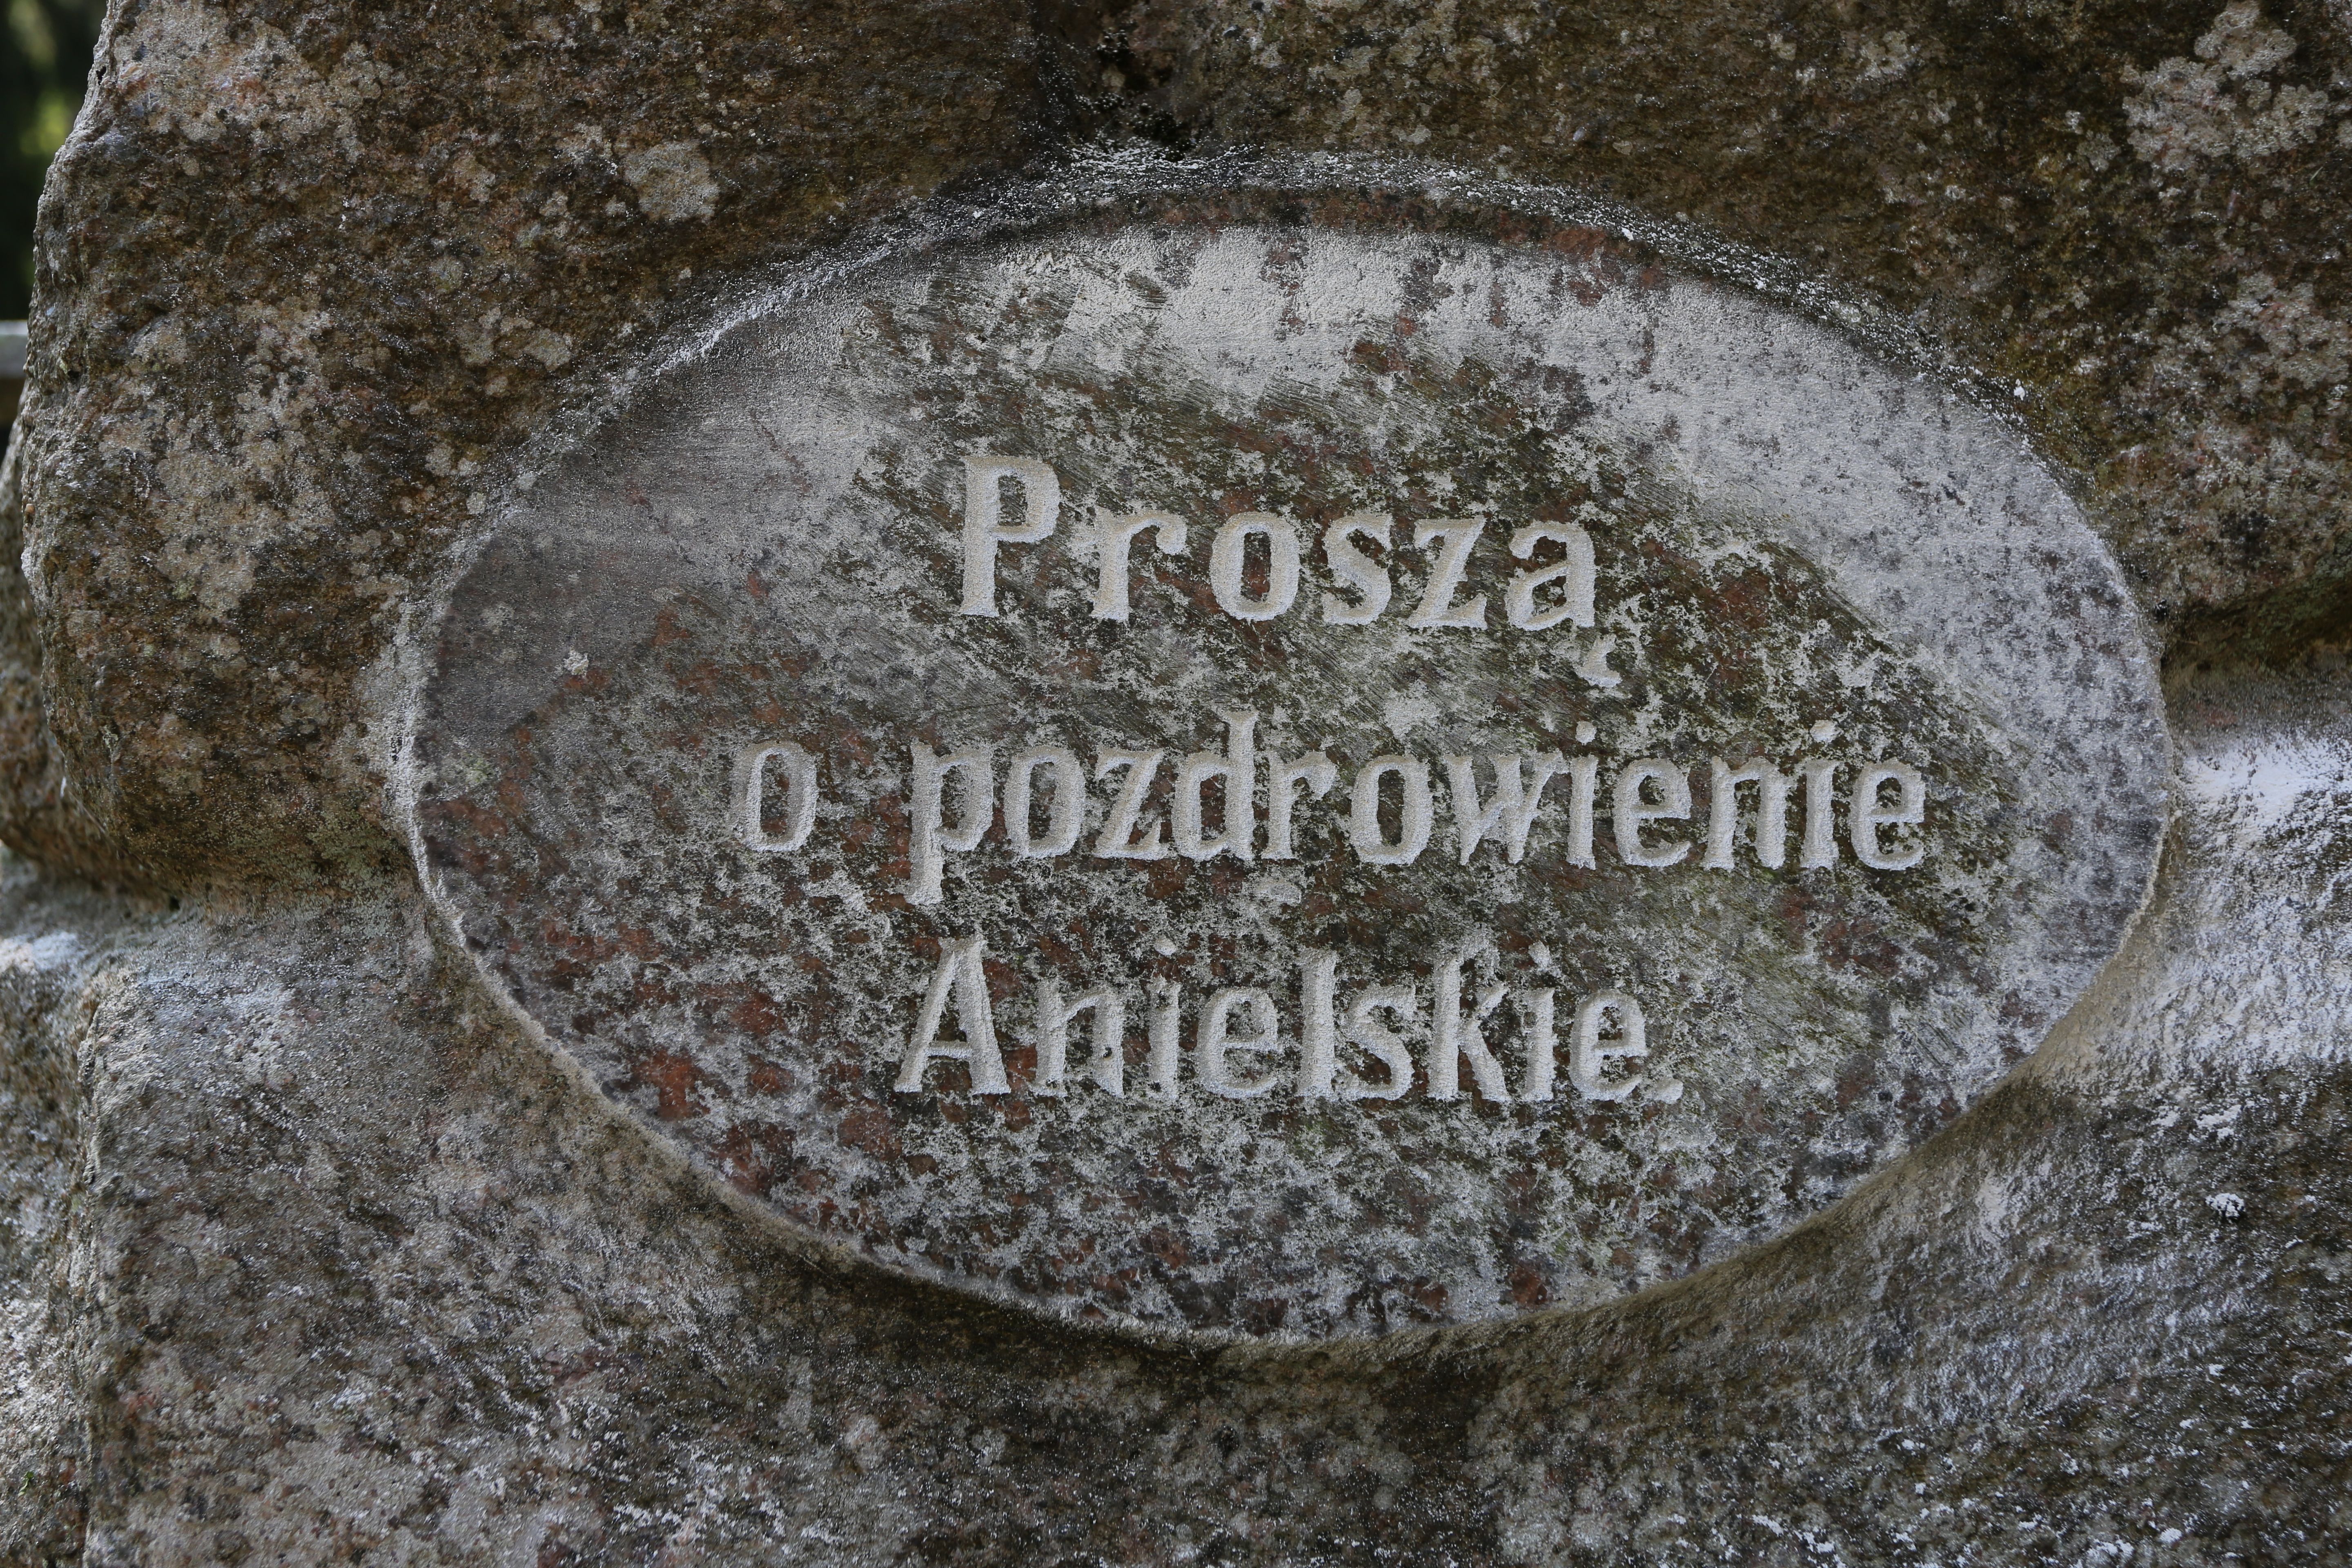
1387	809
1285	777
1536	599
1452	1020
953	797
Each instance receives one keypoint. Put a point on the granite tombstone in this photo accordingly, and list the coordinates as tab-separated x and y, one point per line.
1182	785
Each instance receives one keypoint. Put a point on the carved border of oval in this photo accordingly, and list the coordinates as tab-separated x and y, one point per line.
1110	194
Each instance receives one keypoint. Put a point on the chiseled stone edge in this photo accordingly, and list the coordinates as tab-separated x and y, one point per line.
395	688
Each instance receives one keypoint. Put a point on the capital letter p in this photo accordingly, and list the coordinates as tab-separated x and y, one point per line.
984	520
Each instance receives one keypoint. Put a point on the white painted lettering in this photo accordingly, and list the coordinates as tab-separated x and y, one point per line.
1437	607
1317	771
1592	665
1723	812
1218	1040
1320	1076
1536	1009
1318	1023
1226	559
1545	593
799	769
1415	819
963	978
1583	783
1385	1045
1236	769
1821	822
931	837
1588	1056
1574	573
1238	1029
983	524
1511	814
1112	541
1369	578
1630	812
1867	814
1163	1043
1107	1069
1117	841
1458	1037
1069	809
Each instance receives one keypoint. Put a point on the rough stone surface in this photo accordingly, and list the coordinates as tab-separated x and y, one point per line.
311	1255
2127	217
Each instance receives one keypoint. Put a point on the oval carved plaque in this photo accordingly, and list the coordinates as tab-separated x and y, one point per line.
1289	763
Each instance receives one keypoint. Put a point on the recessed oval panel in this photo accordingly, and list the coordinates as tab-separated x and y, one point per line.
1251	768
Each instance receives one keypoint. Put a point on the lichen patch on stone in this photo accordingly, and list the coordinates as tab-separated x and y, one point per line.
672	180
2217	105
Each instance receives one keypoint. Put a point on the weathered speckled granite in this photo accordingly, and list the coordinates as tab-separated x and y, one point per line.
313	1256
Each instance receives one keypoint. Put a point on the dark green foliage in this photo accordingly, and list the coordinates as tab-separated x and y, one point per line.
45	52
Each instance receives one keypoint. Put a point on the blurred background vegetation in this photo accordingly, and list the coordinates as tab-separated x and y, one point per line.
44	60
